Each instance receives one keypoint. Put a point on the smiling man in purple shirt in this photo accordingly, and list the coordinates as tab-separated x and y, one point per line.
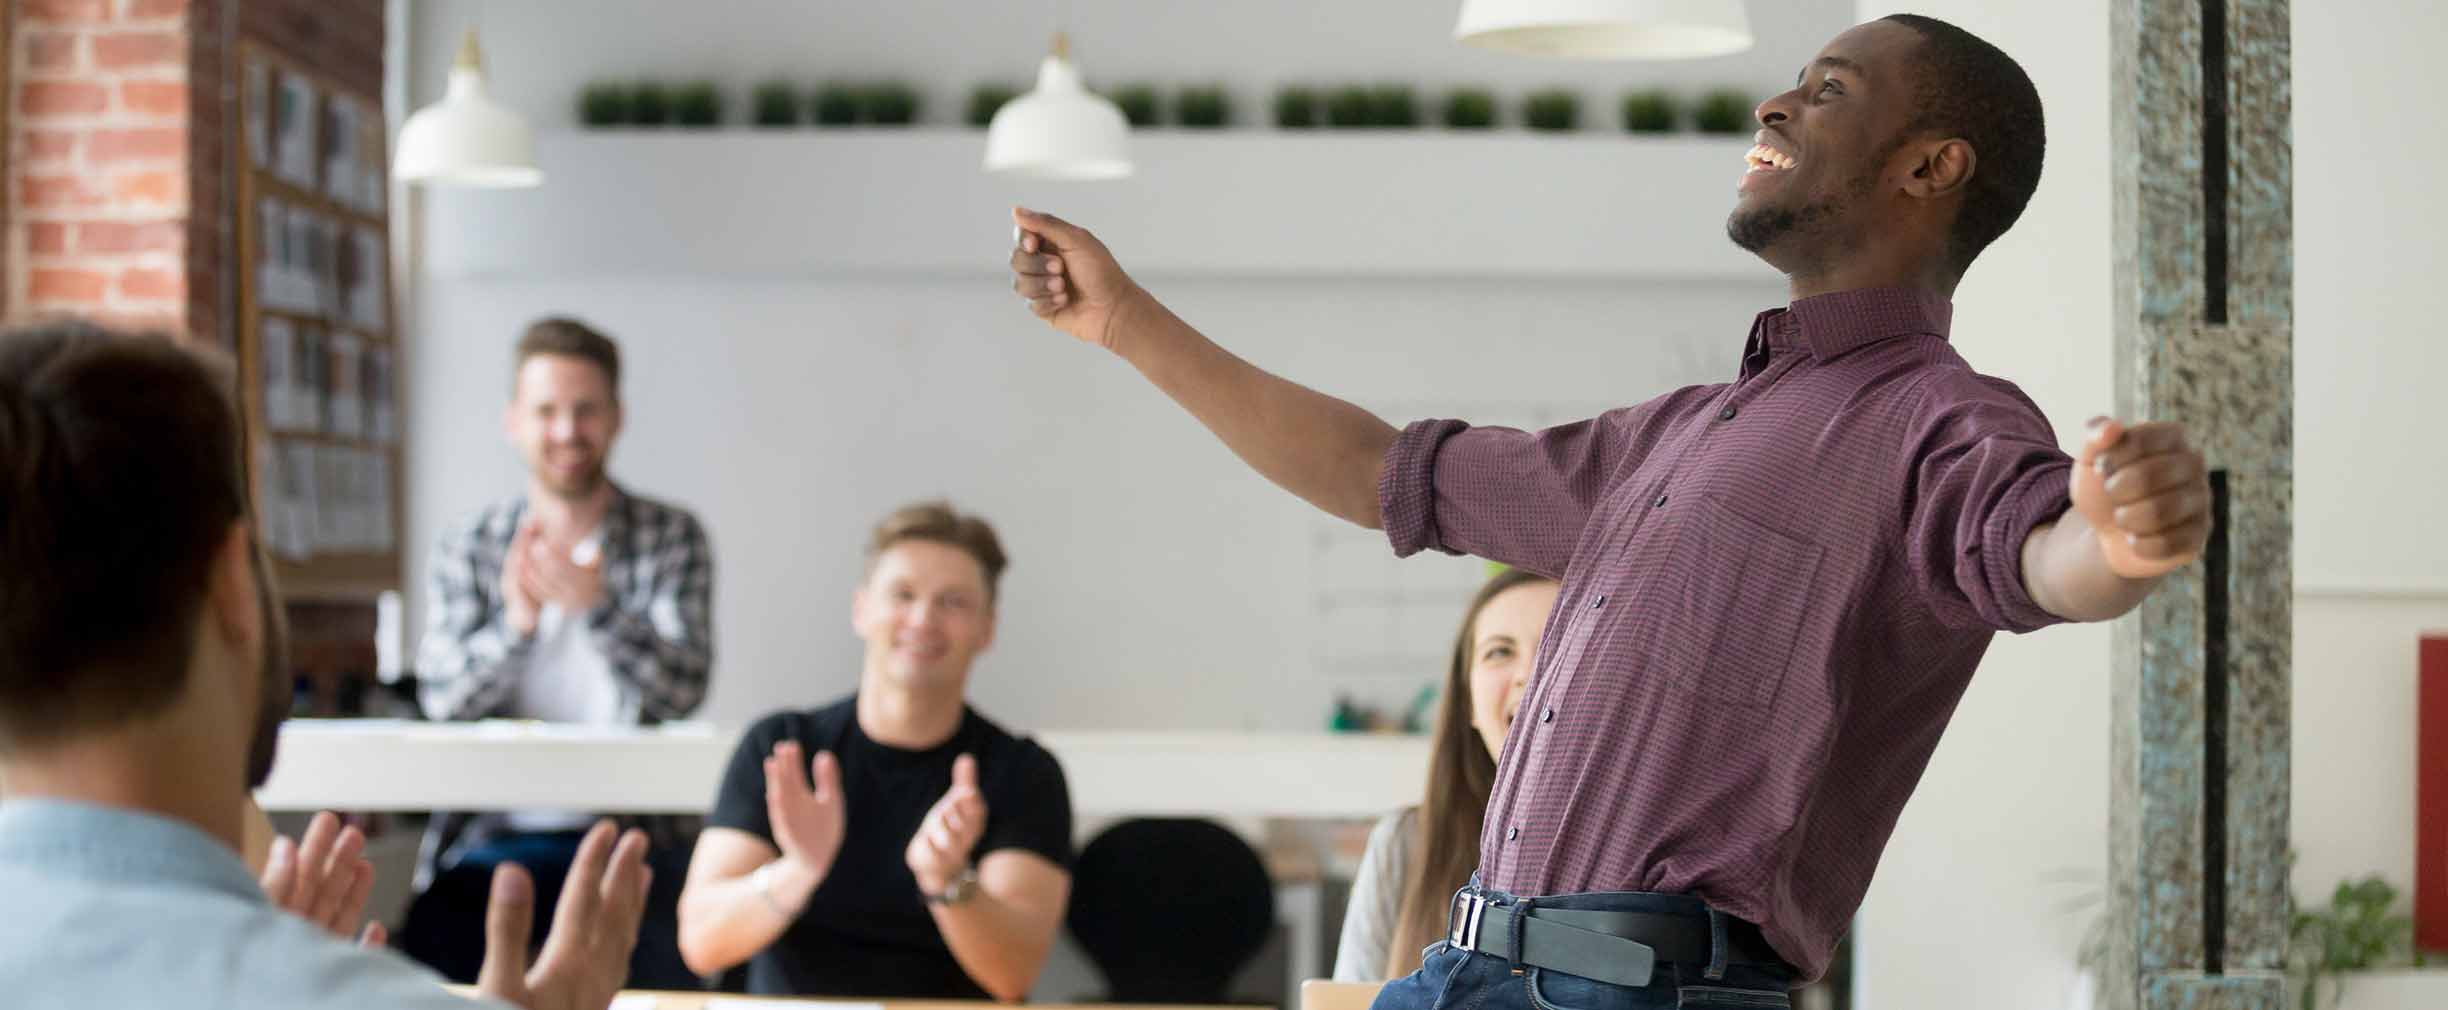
1775	589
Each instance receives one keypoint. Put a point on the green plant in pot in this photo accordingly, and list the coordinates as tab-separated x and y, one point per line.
889	104
1396	107
1138	104
1203	108
2359	931
697	103
1552	111
1649	111
650	104
774	103
1296	108
836	103
601	105
1470	109
984	100
1352	108
1724	111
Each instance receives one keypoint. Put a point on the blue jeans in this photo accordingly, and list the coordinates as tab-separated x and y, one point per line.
1450	978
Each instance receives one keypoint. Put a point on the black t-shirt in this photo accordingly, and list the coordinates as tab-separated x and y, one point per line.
866	931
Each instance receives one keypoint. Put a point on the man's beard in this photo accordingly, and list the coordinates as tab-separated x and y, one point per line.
580	486
1756	230
272	706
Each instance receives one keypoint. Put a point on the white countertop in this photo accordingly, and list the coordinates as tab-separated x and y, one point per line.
376	764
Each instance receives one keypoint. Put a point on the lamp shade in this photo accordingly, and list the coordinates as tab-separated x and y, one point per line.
1059	130
1606	29
467	139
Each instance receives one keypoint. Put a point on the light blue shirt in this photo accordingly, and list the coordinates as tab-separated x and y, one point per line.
105	907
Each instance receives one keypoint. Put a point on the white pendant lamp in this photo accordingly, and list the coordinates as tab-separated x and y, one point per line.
1059	130
467	139
1606	29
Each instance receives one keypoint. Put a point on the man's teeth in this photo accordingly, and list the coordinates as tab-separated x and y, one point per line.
1764	156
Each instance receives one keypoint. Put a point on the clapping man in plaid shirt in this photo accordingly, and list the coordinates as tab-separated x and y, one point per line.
576	601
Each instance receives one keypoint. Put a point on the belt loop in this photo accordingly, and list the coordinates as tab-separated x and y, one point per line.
1521	916
1717	945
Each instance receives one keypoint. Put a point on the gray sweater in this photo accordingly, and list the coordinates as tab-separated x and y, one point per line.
1376	898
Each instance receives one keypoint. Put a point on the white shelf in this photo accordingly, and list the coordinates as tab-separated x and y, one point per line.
807	202
367	764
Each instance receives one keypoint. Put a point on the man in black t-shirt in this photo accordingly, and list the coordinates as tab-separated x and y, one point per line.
895	843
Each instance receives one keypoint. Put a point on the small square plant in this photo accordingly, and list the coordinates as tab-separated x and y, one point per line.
603	104
1203	108
1470	109
888	104
1649	111
1552	111
650	104
1352	107
1395	107
697	104
1724	111
1296	108
1138	104
985	100
836	103
775	103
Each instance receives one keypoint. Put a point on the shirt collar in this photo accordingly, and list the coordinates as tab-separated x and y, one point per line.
1832	324
61	837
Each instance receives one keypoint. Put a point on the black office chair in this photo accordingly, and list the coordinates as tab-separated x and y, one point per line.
1170	910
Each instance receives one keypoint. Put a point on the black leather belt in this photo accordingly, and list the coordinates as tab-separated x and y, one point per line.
1620	948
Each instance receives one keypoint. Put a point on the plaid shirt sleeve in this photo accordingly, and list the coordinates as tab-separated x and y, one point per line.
664	648
468	662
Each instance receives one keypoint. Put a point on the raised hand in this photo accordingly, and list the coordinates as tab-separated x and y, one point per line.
940	850
325	879
585	959
554	578
1068	277
520	601
807	822
2146	493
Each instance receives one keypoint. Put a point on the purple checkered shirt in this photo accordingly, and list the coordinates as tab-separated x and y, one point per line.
1774	592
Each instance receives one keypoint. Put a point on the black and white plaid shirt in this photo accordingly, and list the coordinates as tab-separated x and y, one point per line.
654	627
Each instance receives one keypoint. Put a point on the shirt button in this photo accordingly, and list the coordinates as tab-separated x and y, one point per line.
1547	716
1659	503
1512	833
1599	602
1726	414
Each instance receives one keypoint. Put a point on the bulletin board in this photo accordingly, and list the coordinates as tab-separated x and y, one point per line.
319	350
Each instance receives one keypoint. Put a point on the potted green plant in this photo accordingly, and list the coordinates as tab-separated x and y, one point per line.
1395	107
2359	931
1352	107
985	99
1138	104
836	103
650	104
1470	109
697	104
602	104
1296	108
1650	111
1552	111
1203	107
774	103
1725	111
889	104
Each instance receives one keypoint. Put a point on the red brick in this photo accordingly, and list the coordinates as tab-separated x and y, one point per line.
137	50
39	11
153	8
52	51
63	284
168	189
154	98
62	98
146	283
147	143
50	145
121	237
37	192
46	238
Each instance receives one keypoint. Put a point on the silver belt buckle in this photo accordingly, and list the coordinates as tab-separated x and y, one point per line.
1468	907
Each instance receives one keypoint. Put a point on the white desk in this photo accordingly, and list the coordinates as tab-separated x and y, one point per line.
349	764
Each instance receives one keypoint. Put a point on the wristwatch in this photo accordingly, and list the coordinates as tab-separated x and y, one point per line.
959	890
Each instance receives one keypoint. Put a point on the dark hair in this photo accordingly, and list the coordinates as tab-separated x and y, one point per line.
936	521
120	475
1967	88
566	336
1461	773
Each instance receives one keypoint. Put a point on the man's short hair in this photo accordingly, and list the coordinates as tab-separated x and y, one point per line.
937	522
565	336
120	474
1965	87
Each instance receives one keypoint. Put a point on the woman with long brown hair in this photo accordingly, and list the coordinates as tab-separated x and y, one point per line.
1419	856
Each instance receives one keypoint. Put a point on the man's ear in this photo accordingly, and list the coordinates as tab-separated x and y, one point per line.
1940	168
229	596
